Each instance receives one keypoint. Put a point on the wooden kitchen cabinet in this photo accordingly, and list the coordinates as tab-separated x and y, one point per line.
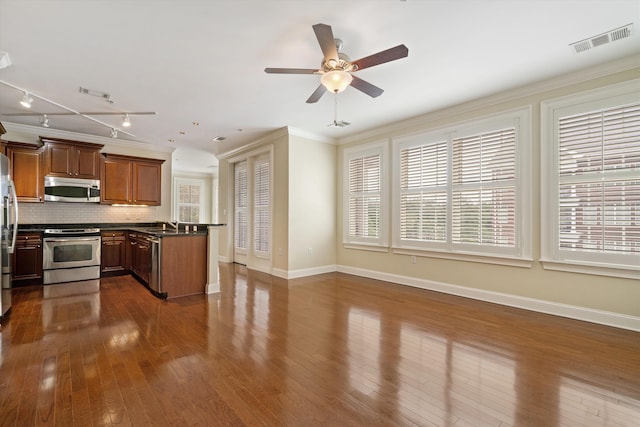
27	259
140	257
26	169
183	265
74	159
113	253
130	180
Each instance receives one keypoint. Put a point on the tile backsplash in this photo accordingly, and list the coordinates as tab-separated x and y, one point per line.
73	213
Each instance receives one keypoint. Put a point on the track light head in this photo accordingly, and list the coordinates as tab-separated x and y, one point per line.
114	133
26	100
125	121
45	121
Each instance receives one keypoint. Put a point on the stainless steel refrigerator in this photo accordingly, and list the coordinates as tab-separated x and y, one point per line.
8	232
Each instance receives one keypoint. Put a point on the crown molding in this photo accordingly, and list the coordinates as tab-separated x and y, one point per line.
565	80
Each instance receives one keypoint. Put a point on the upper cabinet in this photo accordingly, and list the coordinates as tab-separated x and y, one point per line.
25	168
71	159
130	180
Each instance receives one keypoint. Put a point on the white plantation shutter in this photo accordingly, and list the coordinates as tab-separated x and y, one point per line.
365	223
484	189
364	196
241	205
261	206
598	205
464	191
423	187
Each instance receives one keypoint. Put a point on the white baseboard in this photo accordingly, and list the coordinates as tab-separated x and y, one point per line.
564	310
223	259
213	288
295	274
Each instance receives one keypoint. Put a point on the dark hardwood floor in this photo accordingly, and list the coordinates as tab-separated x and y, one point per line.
332	350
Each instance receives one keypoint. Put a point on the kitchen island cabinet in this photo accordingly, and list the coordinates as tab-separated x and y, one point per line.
183	265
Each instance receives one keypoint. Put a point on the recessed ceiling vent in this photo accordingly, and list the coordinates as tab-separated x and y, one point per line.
602	39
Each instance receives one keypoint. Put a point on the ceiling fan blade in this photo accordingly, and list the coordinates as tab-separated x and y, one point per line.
317	94
366	87
392	54
290	71
324	34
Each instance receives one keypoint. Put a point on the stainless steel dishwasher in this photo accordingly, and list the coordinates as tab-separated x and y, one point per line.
155	280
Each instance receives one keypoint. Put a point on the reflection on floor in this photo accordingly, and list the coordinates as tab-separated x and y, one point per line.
332	349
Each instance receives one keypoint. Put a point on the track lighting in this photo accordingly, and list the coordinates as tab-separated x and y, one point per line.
28	97
26	100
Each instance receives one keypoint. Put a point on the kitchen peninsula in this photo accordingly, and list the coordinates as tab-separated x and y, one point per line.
170	262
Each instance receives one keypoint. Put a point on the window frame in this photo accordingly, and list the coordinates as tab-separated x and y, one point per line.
177	181
380	243
552	256
521	254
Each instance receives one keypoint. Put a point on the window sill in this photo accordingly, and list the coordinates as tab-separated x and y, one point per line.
591	268
459	256
365	247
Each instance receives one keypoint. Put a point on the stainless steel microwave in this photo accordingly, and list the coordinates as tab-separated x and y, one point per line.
57	189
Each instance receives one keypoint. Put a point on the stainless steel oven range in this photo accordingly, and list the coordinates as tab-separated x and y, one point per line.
71	255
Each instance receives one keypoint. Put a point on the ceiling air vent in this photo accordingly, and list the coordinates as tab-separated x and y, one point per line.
604	38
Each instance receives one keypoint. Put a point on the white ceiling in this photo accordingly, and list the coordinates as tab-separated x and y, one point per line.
203	61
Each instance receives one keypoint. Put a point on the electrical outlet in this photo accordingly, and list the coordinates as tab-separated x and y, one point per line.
413	259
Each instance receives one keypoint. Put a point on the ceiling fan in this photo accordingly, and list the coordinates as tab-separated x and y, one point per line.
336	68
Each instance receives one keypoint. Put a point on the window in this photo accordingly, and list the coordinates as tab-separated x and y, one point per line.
261	206
241	206
189	202
591	182
364	195
465	190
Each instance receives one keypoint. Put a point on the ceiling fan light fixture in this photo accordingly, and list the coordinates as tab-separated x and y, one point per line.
125	121
26	100
336	81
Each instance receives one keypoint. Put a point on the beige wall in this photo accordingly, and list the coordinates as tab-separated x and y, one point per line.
303	208
609	294
312	204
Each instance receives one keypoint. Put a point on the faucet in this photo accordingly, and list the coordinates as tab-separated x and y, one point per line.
174	224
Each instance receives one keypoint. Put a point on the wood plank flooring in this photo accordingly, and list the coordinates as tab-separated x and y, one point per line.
330	350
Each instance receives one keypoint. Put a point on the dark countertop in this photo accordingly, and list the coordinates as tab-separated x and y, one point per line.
152	228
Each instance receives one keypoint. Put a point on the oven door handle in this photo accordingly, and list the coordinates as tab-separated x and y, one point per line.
75	239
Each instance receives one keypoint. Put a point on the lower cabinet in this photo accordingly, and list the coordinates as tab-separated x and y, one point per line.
113	253
139	256
27	259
